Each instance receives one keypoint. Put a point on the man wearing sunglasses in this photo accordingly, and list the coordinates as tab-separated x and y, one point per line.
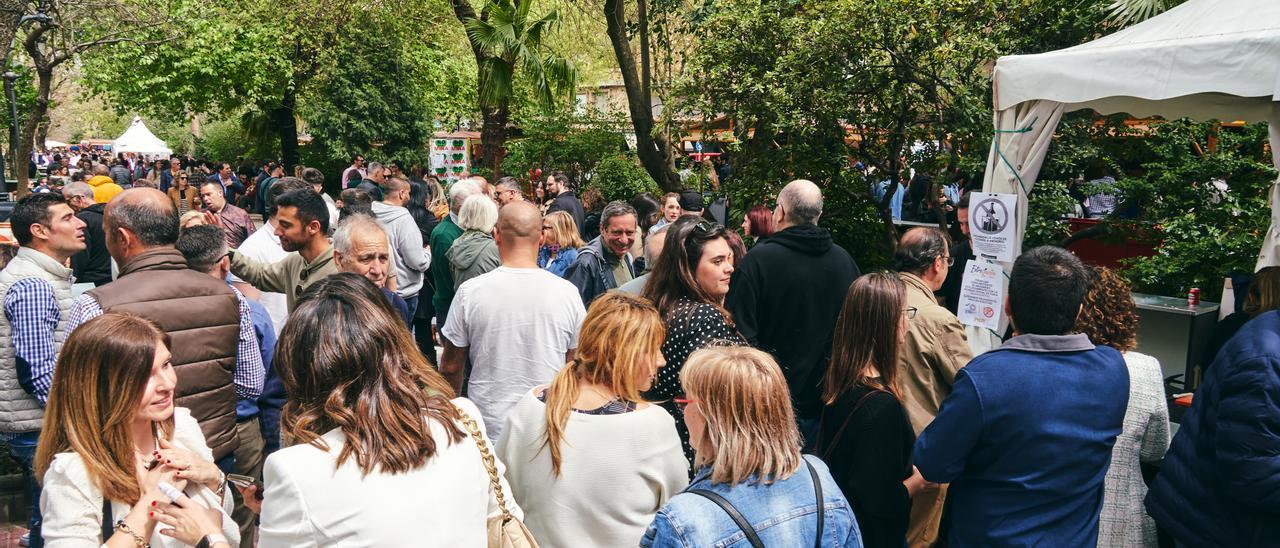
933	351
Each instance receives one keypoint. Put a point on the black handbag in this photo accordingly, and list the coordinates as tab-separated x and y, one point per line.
752	536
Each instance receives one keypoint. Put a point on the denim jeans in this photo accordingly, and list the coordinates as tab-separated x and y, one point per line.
23	449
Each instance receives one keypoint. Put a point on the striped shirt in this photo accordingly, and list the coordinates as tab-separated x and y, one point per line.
32	310
249	370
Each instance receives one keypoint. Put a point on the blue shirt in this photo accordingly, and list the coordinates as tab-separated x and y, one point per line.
32	310
1025	441
895	203
265	333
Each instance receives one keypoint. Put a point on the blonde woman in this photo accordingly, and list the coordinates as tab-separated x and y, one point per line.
113	437
589	460
738	409
560	243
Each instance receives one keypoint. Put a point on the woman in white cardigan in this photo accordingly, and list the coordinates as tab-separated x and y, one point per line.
105	479
590	461
1109	318
381	456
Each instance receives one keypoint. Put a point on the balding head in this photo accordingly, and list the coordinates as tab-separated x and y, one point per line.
101	169
799	203
519	234
139	219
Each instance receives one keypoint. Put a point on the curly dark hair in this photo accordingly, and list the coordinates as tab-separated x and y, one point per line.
1109	317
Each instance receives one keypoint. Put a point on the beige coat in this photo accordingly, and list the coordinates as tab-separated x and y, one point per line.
934	350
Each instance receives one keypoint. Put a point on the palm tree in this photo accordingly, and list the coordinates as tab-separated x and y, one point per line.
505	39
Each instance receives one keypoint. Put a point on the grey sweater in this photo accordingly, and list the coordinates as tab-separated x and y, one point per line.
410	255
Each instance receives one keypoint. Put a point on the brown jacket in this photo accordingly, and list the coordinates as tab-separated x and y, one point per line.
193	198
934	350
202	317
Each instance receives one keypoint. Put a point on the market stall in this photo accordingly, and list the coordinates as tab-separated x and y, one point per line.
139	140
1203	59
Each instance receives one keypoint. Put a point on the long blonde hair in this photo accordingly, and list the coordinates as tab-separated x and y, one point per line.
751	428
98	382
621	334
564	231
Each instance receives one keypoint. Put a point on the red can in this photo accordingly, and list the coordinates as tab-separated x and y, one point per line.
1193	297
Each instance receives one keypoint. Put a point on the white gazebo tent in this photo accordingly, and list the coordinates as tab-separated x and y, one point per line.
1204	59
139	140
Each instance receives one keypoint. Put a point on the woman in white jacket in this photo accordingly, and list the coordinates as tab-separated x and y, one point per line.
381	456
591	460
113	443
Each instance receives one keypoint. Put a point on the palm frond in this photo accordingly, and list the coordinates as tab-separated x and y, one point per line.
496	82
1128	12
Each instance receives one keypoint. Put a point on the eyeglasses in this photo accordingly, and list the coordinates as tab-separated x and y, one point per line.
951	261
683	403
546	228
910	312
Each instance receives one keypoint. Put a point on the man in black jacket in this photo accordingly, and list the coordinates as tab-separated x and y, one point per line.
787	292
558	184
93	264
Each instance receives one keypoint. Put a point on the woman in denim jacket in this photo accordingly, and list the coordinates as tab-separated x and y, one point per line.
743	430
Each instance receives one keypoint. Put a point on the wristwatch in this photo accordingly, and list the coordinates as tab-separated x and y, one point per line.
209	540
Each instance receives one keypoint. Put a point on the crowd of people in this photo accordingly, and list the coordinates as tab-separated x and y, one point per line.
609	374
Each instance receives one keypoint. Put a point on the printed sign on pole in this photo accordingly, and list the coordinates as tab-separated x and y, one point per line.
991	226
981	295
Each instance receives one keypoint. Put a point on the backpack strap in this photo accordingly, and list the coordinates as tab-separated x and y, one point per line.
835	439
822	507
728	508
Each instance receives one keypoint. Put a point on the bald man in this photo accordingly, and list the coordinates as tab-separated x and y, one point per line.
787	292
518	324
215	351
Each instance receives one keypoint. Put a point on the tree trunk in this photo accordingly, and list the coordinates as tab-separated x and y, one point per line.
44	85
654	150
286	125
493	136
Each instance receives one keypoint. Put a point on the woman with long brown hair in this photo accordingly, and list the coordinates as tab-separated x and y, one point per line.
383	457
113	441
688	285
864	434
574	446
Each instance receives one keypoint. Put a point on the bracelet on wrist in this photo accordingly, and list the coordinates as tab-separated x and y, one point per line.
137	539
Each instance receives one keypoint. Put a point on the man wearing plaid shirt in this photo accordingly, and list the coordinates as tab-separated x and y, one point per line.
210	327
36	286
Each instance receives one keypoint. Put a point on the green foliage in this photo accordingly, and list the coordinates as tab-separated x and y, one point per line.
564	140
512	39
1047	214
620	177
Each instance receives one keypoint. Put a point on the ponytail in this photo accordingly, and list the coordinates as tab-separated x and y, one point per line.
561	394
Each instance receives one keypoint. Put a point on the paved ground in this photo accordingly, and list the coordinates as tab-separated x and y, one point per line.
9	535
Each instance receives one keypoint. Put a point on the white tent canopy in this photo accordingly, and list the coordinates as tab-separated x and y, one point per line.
139	140
1203	59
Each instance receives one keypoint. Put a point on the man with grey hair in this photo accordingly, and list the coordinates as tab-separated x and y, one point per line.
442	237
786	293
372	182
93	264
508	190
606	263
361	246
653	244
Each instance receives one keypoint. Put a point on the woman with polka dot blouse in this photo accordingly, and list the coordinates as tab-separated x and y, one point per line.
688	286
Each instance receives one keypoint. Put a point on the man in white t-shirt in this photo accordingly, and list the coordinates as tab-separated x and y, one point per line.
518	324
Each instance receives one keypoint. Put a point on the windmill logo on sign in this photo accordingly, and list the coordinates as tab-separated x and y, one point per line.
993	216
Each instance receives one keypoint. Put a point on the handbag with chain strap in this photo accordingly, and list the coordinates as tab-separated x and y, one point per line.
504	531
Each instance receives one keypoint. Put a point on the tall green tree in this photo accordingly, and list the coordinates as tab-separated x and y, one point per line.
508	41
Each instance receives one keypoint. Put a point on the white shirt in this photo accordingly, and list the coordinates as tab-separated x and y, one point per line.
616	471
264	246
517	324
311	502
72	505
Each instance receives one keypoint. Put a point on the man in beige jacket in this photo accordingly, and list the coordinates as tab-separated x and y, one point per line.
934	350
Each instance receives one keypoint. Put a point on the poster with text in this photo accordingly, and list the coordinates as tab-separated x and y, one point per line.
981	295
991	225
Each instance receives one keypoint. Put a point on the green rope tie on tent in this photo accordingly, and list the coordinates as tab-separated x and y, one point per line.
995	142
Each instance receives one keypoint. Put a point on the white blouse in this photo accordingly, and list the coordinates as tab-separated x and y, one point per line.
310	501
72	505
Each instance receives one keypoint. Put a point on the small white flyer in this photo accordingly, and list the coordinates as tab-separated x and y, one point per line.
991	225
982	295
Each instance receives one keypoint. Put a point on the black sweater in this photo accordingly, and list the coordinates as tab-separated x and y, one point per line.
870	460
785	296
